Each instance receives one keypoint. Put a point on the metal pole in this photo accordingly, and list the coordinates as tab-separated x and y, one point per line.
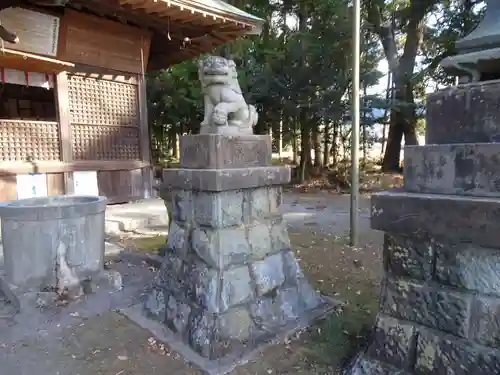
355	124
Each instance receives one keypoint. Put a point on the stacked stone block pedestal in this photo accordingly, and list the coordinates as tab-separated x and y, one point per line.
229	279
440	301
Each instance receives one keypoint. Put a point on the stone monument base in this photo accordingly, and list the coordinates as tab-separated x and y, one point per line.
440	295
229	281
440	300
237	357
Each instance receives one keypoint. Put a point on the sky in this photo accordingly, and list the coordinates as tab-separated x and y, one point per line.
382	83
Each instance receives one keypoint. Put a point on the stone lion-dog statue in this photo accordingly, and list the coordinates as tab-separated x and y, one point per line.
226	111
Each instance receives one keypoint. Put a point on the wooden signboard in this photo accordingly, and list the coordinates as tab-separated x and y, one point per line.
38	32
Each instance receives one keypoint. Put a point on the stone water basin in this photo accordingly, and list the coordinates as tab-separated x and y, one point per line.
51	241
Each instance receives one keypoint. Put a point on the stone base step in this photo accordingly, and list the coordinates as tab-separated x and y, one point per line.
471	169
458	218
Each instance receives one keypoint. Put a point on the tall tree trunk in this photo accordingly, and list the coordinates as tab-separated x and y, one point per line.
403	122
326	144
305	134
280	136
305	149
175	147
172	140
335	143
403	119
389	98
295	142
316	134
363	125
384	138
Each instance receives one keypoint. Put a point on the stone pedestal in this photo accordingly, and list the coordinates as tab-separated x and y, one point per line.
440	303
229	280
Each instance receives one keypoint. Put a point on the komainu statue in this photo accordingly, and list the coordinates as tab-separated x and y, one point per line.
226	111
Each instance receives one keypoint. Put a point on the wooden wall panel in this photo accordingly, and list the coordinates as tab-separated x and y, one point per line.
99	102
100	142
55	184
121	186
8	188
104	119
95	41
118	186
63	115
144	124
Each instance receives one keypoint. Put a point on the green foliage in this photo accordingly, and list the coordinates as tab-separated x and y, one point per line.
298	72
294	69
174	106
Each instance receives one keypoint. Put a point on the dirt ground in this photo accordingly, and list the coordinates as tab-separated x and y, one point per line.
109	344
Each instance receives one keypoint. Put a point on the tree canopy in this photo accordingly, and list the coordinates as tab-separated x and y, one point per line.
298	74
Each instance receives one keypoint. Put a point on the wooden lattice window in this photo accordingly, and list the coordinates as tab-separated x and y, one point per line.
29	140
101	102
94	142
104	119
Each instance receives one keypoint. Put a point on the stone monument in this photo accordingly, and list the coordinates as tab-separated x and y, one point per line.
229	280
226	111
440	301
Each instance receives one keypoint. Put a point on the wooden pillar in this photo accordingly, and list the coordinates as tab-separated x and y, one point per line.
147	172
62	101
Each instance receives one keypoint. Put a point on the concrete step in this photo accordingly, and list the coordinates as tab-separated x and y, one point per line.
149	214
464	169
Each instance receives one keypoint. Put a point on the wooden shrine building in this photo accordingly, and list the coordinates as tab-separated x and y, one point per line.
73	113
